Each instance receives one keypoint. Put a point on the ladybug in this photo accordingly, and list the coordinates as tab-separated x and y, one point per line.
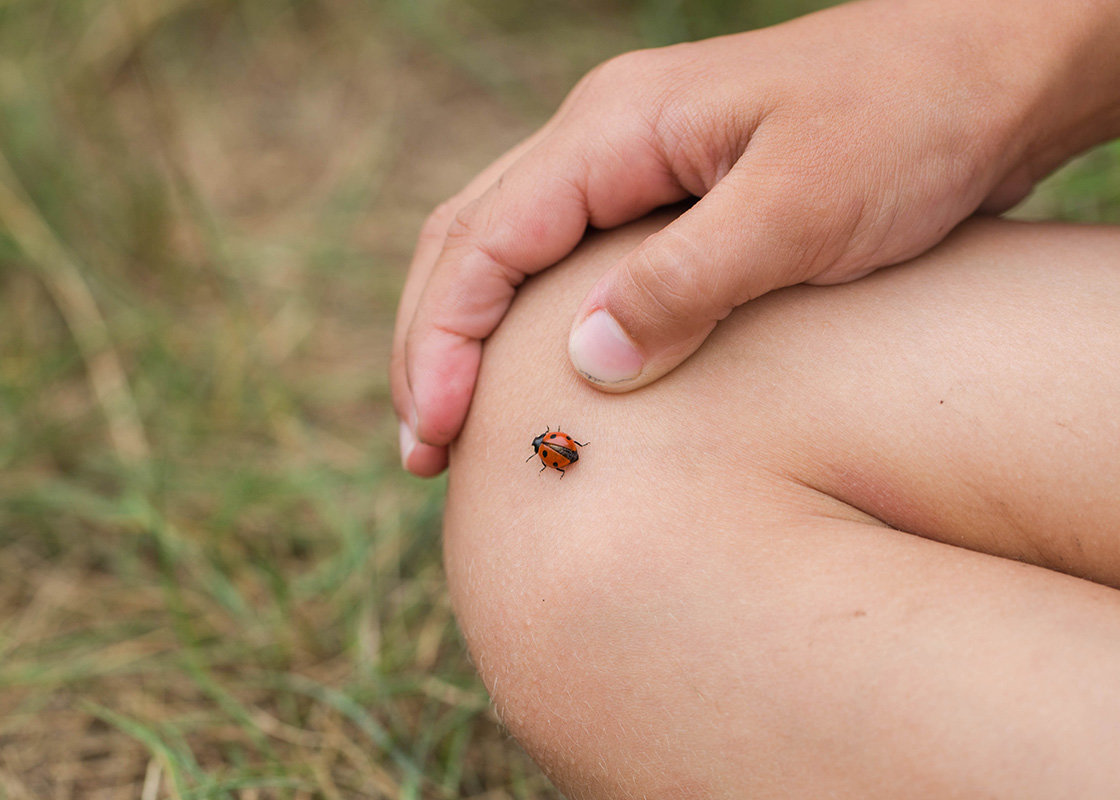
556	449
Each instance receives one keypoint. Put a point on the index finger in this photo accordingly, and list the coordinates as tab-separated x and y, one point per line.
524	222
417	457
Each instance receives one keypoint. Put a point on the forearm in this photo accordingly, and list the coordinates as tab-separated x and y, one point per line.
1026	84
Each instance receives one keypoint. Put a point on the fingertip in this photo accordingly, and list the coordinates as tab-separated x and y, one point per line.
407	443
608	358
442	383
603	353
422	460
438	415
425	460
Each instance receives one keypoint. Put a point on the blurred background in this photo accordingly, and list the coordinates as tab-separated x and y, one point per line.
216	581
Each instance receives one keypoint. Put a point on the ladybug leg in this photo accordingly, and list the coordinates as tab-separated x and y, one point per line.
583	444
561	473
530	458
544	468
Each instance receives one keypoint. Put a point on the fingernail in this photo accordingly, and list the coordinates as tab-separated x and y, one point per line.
408	443
602	351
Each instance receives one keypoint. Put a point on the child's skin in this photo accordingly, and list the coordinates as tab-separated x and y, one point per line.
725	597
860	543
822	149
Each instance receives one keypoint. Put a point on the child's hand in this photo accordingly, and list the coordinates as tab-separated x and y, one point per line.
821	150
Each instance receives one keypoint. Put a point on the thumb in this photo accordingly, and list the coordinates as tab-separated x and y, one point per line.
651	310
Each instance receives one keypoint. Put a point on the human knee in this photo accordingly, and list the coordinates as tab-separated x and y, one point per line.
589	627
598	606
607	609
671	604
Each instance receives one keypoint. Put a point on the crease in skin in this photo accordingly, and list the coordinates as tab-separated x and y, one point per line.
473	303
862	470
704	513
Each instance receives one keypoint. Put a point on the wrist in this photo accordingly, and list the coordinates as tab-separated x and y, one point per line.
1021	86
1062	65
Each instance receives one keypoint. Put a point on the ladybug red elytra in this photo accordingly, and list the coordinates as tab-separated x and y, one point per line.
556	449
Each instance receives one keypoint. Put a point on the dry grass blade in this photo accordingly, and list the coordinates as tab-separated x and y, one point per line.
61	274
152	779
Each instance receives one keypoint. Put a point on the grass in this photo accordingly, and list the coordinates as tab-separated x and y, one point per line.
218	583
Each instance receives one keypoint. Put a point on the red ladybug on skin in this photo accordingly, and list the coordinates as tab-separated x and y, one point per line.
556	449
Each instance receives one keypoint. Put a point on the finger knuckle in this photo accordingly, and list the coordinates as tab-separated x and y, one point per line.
667	274
464	224
470	232
436	225
651	90
628	77
634	66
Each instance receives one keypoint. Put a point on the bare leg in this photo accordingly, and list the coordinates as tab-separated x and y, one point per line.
726	597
